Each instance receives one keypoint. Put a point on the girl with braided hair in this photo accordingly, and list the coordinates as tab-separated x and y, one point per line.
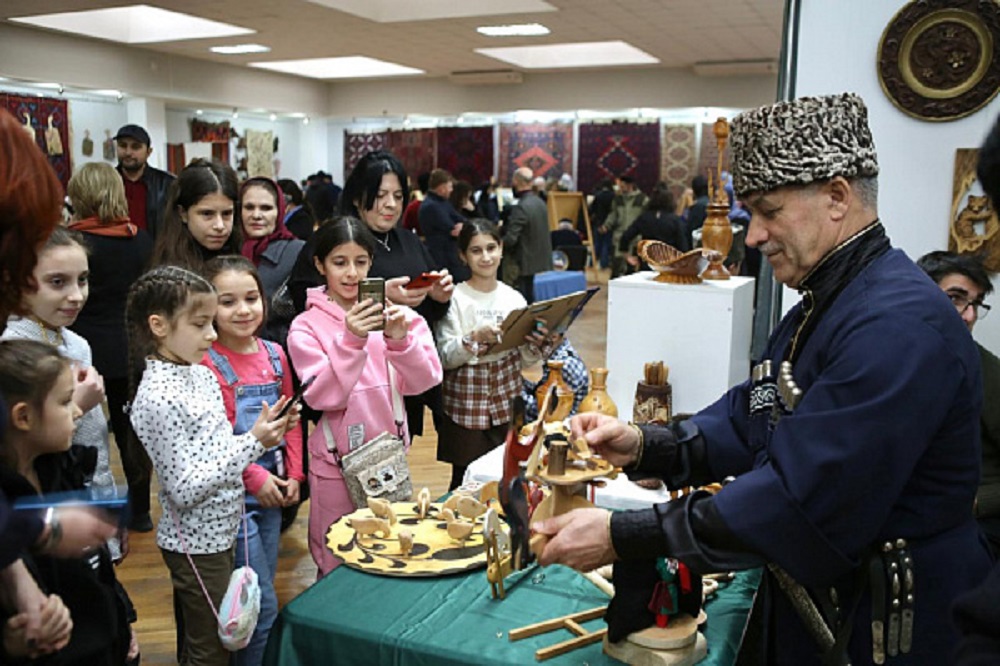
178	414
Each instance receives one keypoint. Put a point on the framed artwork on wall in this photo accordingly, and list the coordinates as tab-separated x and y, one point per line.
974	227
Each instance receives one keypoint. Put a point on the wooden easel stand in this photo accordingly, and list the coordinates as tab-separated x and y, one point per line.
569	622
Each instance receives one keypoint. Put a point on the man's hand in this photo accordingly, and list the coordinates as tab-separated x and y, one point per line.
613	440
580	539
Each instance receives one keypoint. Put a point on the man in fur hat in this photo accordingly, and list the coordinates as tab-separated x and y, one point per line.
854	443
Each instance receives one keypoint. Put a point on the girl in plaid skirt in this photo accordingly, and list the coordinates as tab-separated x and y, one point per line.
478	385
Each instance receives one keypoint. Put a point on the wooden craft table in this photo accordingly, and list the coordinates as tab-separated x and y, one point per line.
350	617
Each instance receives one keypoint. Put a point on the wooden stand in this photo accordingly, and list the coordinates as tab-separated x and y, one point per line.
571	205
633	654
570	622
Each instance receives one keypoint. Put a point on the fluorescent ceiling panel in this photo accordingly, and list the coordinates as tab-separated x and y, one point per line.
582	54
350	67
517	30
395	11
240	49
137	24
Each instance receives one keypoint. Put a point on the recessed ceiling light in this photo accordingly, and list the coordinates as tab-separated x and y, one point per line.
394	11
350	67
136	24
240	49
581	54
518	30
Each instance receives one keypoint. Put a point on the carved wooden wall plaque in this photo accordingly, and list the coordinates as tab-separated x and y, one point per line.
939	60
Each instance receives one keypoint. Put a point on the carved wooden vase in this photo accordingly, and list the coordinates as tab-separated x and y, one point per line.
717	234
598	399
564	393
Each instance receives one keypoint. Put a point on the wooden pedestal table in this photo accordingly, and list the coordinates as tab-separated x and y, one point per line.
678	644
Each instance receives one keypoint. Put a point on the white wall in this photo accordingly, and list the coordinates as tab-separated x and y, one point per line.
838	48
288	131
96	117
625	88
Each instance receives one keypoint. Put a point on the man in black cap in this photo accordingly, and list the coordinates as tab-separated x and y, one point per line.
145	187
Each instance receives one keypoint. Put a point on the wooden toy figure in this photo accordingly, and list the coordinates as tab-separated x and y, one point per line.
675	580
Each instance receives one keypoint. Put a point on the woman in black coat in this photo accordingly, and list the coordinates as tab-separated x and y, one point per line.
657	222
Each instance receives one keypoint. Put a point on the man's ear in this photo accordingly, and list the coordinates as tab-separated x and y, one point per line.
159	325
21	416
841	196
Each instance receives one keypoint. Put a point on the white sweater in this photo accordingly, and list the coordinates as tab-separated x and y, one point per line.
471	309
180	419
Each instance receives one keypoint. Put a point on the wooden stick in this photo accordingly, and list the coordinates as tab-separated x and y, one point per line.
568	646
555	623
600	582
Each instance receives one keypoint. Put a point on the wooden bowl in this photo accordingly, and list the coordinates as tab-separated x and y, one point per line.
673	266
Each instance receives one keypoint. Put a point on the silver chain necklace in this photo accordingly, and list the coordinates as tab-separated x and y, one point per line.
383	242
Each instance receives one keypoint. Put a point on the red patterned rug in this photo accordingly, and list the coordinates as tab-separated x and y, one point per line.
466	152
613	150
546	149
679	158
48	120
416	149
357	146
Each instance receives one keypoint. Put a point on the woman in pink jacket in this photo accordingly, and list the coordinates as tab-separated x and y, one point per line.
338	340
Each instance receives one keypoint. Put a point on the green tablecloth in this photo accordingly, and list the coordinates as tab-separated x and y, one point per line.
354	618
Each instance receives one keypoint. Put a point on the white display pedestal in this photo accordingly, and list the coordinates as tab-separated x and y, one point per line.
700	331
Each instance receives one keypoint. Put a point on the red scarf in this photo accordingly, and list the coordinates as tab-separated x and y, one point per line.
116	228
254	248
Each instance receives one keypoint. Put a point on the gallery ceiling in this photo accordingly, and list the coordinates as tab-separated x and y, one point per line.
439	37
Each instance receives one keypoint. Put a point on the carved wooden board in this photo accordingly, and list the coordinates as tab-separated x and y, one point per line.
434	552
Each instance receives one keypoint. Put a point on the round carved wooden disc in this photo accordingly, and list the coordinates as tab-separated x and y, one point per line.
940	59
434	552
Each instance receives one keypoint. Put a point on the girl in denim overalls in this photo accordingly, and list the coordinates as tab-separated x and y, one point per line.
252	371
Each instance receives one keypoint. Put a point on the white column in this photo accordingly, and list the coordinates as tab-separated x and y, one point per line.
151	114
314	149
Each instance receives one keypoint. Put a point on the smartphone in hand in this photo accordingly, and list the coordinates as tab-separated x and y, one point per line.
373	288
296	398
423	280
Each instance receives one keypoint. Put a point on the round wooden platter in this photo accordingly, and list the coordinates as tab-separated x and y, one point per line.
434	553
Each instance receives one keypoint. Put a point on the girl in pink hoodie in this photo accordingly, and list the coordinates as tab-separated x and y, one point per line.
337	340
